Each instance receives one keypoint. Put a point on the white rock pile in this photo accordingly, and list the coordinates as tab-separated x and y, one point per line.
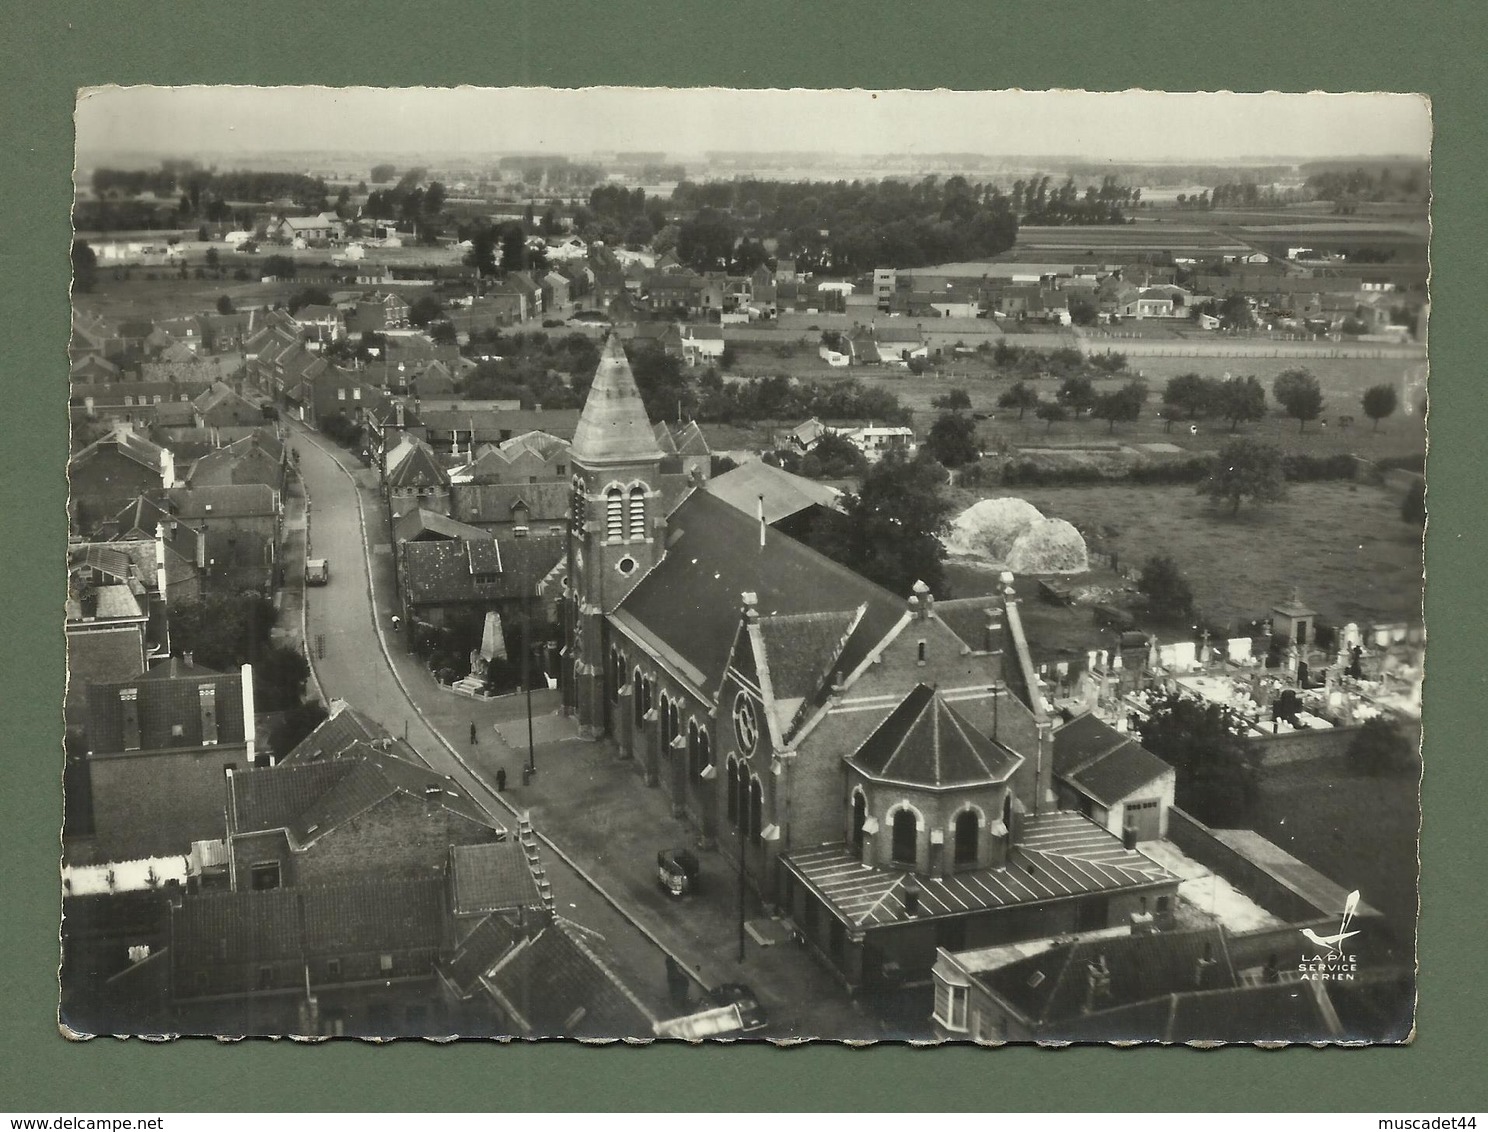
1012	534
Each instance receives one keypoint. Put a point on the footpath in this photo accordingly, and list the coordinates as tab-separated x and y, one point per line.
596	810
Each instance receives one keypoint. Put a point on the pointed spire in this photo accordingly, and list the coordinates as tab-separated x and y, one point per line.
613	427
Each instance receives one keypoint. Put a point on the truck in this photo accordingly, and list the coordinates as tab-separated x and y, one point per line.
317	572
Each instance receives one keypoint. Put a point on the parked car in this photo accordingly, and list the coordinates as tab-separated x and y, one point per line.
317	572
677	871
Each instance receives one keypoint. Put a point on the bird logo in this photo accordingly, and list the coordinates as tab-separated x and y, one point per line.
1330	943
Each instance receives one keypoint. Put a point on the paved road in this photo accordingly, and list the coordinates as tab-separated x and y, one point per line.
354	668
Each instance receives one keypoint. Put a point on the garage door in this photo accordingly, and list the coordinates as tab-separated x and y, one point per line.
1146	818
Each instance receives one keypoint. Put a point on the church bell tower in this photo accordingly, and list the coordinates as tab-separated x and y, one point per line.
615	523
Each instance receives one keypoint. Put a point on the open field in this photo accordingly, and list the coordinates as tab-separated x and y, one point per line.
1356	830
1343	545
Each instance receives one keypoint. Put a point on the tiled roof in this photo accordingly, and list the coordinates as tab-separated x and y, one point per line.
555	985
417	467
128	443
976	621
216	501
690	600
801	649
1103	763
1056	984
613	425
212	930
492	878
785	494
481	949
161	706
546	502
445	570
345	727
420	524
1059	854
691	441
926	742
100	657
311	799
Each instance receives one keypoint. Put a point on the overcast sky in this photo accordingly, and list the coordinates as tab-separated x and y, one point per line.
1132	126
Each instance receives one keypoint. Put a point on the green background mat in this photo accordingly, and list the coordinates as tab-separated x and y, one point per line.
51	49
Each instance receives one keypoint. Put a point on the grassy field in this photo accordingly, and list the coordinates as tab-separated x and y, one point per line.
1343	545
1358	831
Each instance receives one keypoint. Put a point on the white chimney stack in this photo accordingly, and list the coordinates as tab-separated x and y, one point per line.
249	734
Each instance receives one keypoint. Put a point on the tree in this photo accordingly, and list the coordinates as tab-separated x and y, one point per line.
1380	748
953	440
1083	311
834	457
1188	394
482	253
1021	396
1050	412
434	197
443	333
1239	399
425	309
382	174
213	258
228	631
1076	393
224	304
953	401
893	527
279	267
1245	469
1299	394
1169	596
309	297
513	248
1235	313
1379	402
1124	404
1218	775
84	266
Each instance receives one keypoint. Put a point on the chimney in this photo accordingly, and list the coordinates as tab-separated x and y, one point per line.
167	468
1129	838
129	724
751	601
206	695
160	560
250	731
1203	965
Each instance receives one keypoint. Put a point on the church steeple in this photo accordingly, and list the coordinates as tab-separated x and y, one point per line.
613	428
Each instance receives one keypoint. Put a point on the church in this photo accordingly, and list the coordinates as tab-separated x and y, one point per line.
882	763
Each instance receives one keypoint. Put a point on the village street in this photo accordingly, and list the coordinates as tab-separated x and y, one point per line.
595	809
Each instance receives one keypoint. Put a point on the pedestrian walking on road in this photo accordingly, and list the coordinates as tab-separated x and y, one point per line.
501	780
474	735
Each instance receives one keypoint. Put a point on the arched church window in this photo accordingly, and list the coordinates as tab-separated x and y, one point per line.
637	514
967	836
701	755
756	810
906	837
638	695
733	790
614	514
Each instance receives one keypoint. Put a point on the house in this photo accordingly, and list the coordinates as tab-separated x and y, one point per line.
140	403
445	579
113	470
1112	779
93	369
791	504
413	479
317	230
377	312
1197	985
322	325
555	982
899	343
107	624
877	441
372	809
258	458
238	529
875	765
702	345
555	293
220	406
158	748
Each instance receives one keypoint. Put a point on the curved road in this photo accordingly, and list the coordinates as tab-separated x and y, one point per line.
355	668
